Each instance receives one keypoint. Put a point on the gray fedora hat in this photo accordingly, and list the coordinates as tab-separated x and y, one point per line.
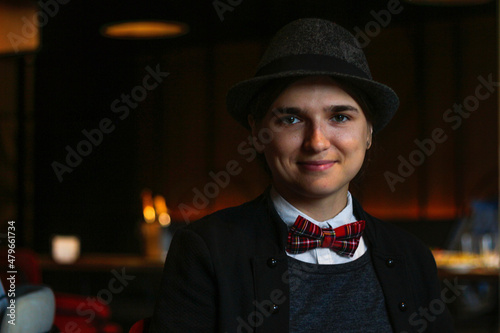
309	47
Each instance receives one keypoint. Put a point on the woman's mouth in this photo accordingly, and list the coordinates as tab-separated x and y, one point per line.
316	165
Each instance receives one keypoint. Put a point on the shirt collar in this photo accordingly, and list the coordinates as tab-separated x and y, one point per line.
289	213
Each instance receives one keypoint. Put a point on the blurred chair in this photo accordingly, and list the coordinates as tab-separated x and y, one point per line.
141	326
68	317
33	313
3	301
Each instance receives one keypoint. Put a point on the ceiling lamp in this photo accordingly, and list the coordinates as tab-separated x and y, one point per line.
148	29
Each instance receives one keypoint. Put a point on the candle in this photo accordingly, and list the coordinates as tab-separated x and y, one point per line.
65	249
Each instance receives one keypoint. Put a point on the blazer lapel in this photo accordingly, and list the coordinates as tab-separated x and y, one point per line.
270	273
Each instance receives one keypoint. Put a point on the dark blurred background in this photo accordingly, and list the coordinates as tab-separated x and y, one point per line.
433	54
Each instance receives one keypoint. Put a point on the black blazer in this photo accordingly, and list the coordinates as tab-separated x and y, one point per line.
228	273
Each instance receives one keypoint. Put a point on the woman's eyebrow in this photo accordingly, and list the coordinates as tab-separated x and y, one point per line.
342	107
287	110
299	111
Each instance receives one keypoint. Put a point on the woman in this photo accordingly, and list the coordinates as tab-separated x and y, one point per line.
304	256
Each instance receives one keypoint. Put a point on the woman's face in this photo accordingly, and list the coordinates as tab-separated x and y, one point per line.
320	137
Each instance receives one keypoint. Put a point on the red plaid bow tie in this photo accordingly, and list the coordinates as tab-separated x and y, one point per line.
304	235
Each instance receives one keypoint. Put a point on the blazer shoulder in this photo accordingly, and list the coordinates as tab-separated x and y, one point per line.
387	237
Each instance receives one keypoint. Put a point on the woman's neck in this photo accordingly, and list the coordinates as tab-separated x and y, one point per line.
318	208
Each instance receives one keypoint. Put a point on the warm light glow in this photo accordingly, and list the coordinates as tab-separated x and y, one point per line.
440	212
412	211
149	214
147	206
160	205
164	219
65	249
20	27
147	197
144	29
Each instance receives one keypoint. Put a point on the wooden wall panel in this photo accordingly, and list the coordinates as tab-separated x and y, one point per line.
392	62
436	190
175	142
480	131
233	63
429	82
8	138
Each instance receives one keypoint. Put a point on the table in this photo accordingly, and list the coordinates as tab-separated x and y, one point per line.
132	298
103	262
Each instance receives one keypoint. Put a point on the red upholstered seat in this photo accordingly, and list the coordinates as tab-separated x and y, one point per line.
69	314
142	326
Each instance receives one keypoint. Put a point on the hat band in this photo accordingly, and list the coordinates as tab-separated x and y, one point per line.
311	62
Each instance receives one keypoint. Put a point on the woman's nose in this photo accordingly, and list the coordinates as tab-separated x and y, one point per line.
316	140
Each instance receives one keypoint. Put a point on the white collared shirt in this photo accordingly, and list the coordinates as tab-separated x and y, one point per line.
322	256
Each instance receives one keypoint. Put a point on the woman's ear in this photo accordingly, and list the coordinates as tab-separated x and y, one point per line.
370	137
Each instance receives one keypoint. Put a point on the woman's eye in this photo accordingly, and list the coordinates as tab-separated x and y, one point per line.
289	120
340	118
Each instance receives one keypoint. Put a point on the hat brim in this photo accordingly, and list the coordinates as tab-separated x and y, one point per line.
383	99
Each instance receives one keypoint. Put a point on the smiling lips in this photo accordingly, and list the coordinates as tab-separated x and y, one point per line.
316	165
